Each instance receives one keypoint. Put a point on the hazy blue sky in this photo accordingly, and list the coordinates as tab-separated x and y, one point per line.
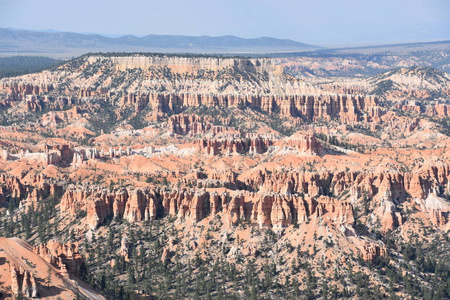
323	22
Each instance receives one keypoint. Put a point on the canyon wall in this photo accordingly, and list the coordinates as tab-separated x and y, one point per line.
170	85
284	198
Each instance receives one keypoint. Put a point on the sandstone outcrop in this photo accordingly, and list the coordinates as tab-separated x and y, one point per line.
229	154
278	204
23	283
266	210
125	247
49	274
216	82
370	251
63	256
235	145
437	208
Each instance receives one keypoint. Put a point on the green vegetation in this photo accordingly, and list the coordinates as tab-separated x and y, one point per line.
333	140
37	225
382	87
20	65
445	125
104	120
156	54
417	269
78	61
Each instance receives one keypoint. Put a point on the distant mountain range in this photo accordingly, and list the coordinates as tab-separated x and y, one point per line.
67	44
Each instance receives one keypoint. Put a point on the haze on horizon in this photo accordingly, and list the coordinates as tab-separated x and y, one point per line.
322	22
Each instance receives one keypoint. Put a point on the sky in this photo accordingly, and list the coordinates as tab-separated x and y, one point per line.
319	22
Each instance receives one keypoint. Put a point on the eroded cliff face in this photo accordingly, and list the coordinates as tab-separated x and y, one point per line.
28	190
346	108
169	85
384	191
191	65
225	155
65	257
45	271
284	198
264	210
23	283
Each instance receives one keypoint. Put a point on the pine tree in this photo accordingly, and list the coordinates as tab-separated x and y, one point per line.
48	279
